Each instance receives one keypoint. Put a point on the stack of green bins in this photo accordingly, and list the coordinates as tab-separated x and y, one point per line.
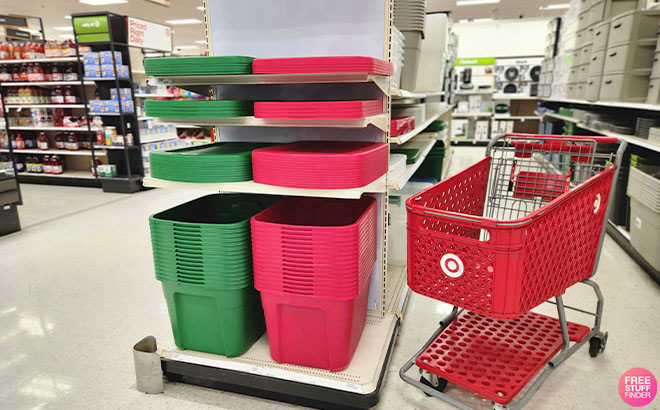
203	258
198	108
218	162
432	165
436	126
209	65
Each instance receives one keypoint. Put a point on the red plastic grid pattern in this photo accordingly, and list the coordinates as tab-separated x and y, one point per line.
520	265
320	164
401	125
496	358
324	64
317	110
535	184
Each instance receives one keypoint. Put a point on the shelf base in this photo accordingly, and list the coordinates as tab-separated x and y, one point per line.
256	374
624	242
122	185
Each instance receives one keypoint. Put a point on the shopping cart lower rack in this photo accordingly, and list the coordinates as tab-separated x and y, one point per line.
499	239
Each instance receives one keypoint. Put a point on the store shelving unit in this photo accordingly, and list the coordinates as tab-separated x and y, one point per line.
254	372
636	145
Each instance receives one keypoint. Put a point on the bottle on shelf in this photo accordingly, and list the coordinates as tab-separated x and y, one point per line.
56	96
42	141
94	166
38	165
16	74
70	74
5	54
72	142
20	143
24	73
46	165
56	74
5	74
56	164
60	141
70	96
29	164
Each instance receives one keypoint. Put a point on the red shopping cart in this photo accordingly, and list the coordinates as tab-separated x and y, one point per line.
497	240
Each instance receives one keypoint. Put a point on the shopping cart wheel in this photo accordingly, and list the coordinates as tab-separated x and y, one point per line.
497	406
436	383
597	344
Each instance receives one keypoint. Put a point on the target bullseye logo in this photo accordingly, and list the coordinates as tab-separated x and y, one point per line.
597	203
451	265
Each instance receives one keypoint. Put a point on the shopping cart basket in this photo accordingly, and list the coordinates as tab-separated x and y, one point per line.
495	241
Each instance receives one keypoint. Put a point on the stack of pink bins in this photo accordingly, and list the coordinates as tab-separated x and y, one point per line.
317	110
313	259
314	65
320	164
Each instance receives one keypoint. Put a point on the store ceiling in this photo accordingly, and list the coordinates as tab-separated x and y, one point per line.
505	9
53	14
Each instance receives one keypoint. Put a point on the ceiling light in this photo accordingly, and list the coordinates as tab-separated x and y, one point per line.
68	17
66	36
475	20
138	71
102	2
184	47
555	6
200	41
200	8
183	21
63	28
475	2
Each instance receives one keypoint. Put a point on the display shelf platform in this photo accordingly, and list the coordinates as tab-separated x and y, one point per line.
256	374
380	121
81	152
631	139
71	129
149	95
251	187
424	143
625	105
41	60
418	129
471	114
20	106
517	117
66	174
43	83
473	92
398	93
184	81
514	97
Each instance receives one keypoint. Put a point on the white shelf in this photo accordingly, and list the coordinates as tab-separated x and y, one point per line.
514	97
148	95
67	174
145	118
251	187
632	106
360	377
424	143
43	83
20	106
472	114
407	136
106	79
380	121
631	139
41	60
474	92
72	129
307	78
112	146
517	117
399	93
82	152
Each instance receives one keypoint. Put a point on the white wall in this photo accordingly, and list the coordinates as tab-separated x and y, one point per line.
502	38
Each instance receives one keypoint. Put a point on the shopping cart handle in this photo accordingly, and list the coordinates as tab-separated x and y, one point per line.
599	139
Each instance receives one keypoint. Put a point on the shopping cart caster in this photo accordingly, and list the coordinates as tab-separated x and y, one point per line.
597	344
497	406
436	383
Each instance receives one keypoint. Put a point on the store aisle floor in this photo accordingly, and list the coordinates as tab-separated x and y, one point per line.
78	291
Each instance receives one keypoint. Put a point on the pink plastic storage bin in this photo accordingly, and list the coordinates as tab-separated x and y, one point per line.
312	65
401	125
317	110
314	332
320	164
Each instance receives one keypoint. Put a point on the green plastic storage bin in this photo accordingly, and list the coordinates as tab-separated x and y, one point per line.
412	154
198	108
432	165
218	162
225	322
198	65
436	126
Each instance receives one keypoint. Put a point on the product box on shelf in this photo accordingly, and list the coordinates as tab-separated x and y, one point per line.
107	170
105	57
124	94
92	71
91	59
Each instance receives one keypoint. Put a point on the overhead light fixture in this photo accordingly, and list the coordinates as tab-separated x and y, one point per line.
475	2
200	41
200	8
555	6
66	35
134	71
63	28
183	21
184	47
475	20
68	17
102	2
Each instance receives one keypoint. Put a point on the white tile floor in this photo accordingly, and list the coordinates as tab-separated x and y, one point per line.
78	291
